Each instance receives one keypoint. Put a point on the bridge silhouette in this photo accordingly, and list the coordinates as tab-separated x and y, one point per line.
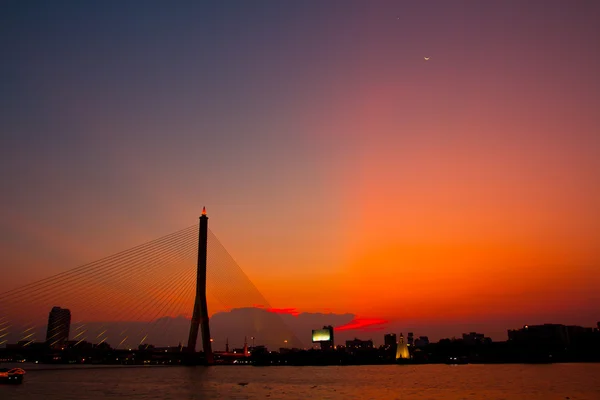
159	292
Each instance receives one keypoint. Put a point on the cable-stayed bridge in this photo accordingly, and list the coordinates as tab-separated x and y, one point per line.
158	293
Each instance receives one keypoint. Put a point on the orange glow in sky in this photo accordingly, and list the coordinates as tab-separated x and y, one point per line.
342	172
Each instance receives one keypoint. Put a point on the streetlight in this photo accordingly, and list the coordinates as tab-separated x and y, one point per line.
252	337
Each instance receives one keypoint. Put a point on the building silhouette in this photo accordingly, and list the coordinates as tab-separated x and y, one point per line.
359	344
422	341
411	339
59	324
389	340
550	335
328	343
474	338
546	334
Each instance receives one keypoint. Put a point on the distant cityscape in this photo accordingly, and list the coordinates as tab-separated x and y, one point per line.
547	343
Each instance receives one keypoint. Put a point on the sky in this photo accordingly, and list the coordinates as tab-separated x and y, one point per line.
342	171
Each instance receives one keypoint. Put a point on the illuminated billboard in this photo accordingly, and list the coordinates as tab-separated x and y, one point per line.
321	335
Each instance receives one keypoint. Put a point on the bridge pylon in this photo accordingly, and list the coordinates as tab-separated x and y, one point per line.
200	314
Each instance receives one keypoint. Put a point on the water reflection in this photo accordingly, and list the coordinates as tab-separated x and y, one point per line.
557	381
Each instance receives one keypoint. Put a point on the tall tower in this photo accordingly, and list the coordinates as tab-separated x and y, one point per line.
59	324
200	315
402	349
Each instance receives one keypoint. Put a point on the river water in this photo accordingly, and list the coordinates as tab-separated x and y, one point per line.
419	382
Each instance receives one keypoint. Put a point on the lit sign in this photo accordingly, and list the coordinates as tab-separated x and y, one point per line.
321	335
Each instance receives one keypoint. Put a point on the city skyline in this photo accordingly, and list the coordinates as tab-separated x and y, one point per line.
337	165
238	326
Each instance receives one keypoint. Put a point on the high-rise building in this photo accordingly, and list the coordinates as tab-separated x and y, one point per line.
411	339
59	324
324	337
389	340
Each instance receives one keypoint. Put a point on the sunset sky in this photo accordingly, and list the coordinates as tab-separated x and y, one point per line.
342	171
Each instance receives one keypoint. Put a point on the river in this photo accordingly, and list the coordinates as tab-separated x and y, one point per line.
419	382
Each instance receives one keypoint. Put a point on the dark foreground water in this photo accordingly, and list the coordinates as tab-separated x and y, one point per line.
439	382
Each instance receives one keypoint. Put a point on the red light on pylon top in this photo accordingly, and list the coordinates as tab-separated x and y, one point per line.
203	210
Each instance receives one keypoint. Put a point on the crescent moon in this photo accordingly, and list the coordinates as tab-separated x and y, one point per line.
426	58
